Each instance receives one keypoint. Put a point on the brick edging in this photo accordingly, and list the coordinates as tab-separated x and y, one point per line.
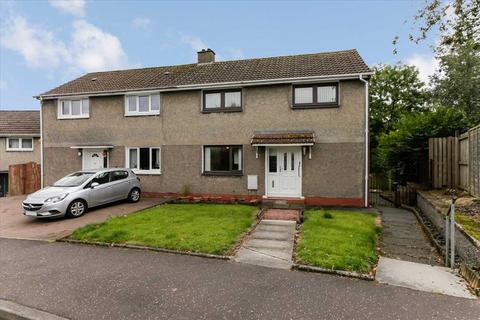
349	274
137	247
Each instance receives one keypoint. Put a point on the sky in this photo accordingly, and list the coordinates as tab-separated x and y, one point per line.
44	44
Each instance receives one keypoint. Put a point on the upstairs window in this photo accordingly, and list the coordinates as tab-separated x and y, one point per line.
73	109
140	105
144	160
313	96
19	144
222	100
222	160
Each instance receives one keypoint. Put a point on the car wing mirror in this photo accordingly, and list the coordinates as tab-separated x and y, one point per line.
94	184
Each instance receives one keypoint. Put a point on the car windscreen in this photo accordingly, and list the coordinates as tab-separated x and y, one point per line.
74	179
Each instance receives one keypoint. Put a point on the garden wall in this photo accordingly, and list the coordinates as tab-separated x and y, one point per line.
467	248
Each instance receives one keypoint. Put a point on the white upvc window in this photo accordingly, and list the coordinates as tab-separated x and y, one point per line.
143	160
73	108
142	104
19	144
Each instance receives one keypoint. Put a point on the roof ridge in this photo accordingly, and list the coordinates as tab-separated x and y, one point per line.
226	61
30	110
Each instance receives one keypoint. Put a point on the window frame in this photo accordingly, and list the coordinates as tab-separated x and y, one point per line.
82	115
230	172
222	107
20	147
314	103
140	171
137	113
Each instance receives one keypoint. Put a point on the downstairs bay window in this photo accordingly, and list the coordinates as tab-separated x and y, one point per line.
222	160
143	160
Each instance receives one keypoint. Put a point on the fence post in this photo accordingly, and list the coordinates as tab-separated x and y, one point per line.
452	233
447	236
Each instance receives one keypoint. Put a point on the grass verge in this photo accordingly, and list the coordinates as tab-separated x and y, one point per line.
470	224
205	228
336	239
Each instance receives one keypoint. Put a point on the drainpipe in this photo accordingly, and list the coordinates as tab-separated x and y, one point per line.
41	142
366	139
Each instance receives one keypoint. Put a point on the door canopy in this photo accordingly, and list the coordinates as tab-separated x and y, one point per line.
283	138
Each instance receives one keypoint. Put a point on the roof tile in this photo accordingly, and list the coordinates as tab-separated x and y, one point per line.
294	66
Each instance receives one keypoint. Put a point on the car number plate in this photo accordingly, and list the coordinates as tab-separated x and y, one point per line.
31	213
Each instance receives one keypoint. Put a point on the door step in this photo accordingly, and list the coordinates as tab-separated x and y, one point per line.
282	214
288	203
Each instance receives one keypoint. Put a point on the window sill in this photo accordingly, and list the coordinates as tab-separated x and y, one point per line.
72	117
147	173
316	106
222	174
19	150
142	114
222	110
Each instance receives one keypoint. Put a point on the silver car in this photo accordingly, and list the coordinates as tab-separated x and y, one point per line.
72	195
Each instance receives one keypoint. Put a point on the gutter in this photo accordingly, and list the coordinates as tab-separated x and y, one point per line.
212	85
366	139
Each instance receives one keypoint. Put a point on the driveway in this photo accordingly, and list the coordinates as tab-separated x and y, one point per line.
89	282
13	224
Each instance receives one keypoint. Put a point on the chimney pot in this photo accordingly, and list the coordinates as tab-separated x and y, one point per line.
206	56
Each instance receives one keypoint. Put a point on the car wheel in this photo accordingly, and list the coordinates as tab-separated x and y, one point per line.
134	195
76	208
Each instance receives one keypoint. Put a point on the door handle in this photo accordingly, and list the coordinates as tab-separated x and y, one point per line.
298	170
273	183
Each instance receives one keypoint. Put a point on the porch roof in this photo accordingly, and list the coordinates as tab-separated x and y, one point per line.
287	137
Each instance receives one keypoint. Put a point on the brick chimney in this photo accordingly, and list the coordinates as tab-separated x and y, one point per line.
206	56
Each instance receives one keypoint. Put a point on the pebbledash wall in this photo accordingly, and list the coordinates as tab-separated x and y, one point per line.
16	157
333	176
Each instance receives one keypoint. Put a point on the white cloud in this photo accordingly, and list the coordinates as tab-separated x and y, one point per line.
196	43
95	49
74	7
426	64
38	47
142	23
89	49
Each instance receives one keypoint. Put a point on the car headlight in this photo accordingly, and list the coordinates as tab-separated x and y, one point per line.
56	198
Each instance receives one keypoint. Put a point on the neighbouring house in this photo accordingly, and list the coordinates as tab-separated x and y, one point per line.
291	127
19	141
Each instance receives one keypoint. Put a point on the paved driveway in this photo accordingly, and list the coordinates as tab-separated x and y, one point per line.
13	224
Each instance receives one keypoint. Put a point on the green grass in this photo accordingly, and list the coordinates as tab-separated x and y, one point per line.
470	224
341	240
206	228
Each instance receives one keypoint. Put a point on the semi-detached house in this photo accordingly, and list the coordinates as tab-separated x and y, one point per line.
291	127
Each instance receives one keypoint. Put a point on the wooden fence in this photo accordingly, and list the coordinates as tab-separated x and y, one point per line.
23	178
454	162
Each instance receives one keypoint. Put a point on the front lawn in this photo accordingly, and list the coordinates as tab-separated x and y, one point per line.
341	240
206	228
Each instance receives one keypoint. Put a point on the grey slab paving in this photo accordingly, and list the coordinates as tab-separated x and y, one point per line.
270	245
88	282
404	239
422	277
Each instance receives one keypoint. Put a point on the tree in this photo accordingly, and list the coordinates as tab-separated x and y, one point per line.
457	21
458	83
403	152
394	91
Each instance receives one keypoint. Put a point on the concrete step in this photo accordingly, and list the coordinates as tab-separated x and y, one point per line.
277	222
270	244
272	235
273	228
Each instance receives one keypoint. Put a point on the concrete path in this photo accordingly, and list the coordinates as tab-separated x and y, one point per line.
422	277
270	245
87	282
404	239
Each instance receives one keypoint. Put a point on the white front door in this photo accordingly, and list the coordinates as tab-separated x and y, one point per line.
93	159
284	172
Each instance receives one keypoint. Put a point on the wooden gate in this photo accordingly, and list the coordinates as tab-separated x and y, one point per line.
454	162
23	178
